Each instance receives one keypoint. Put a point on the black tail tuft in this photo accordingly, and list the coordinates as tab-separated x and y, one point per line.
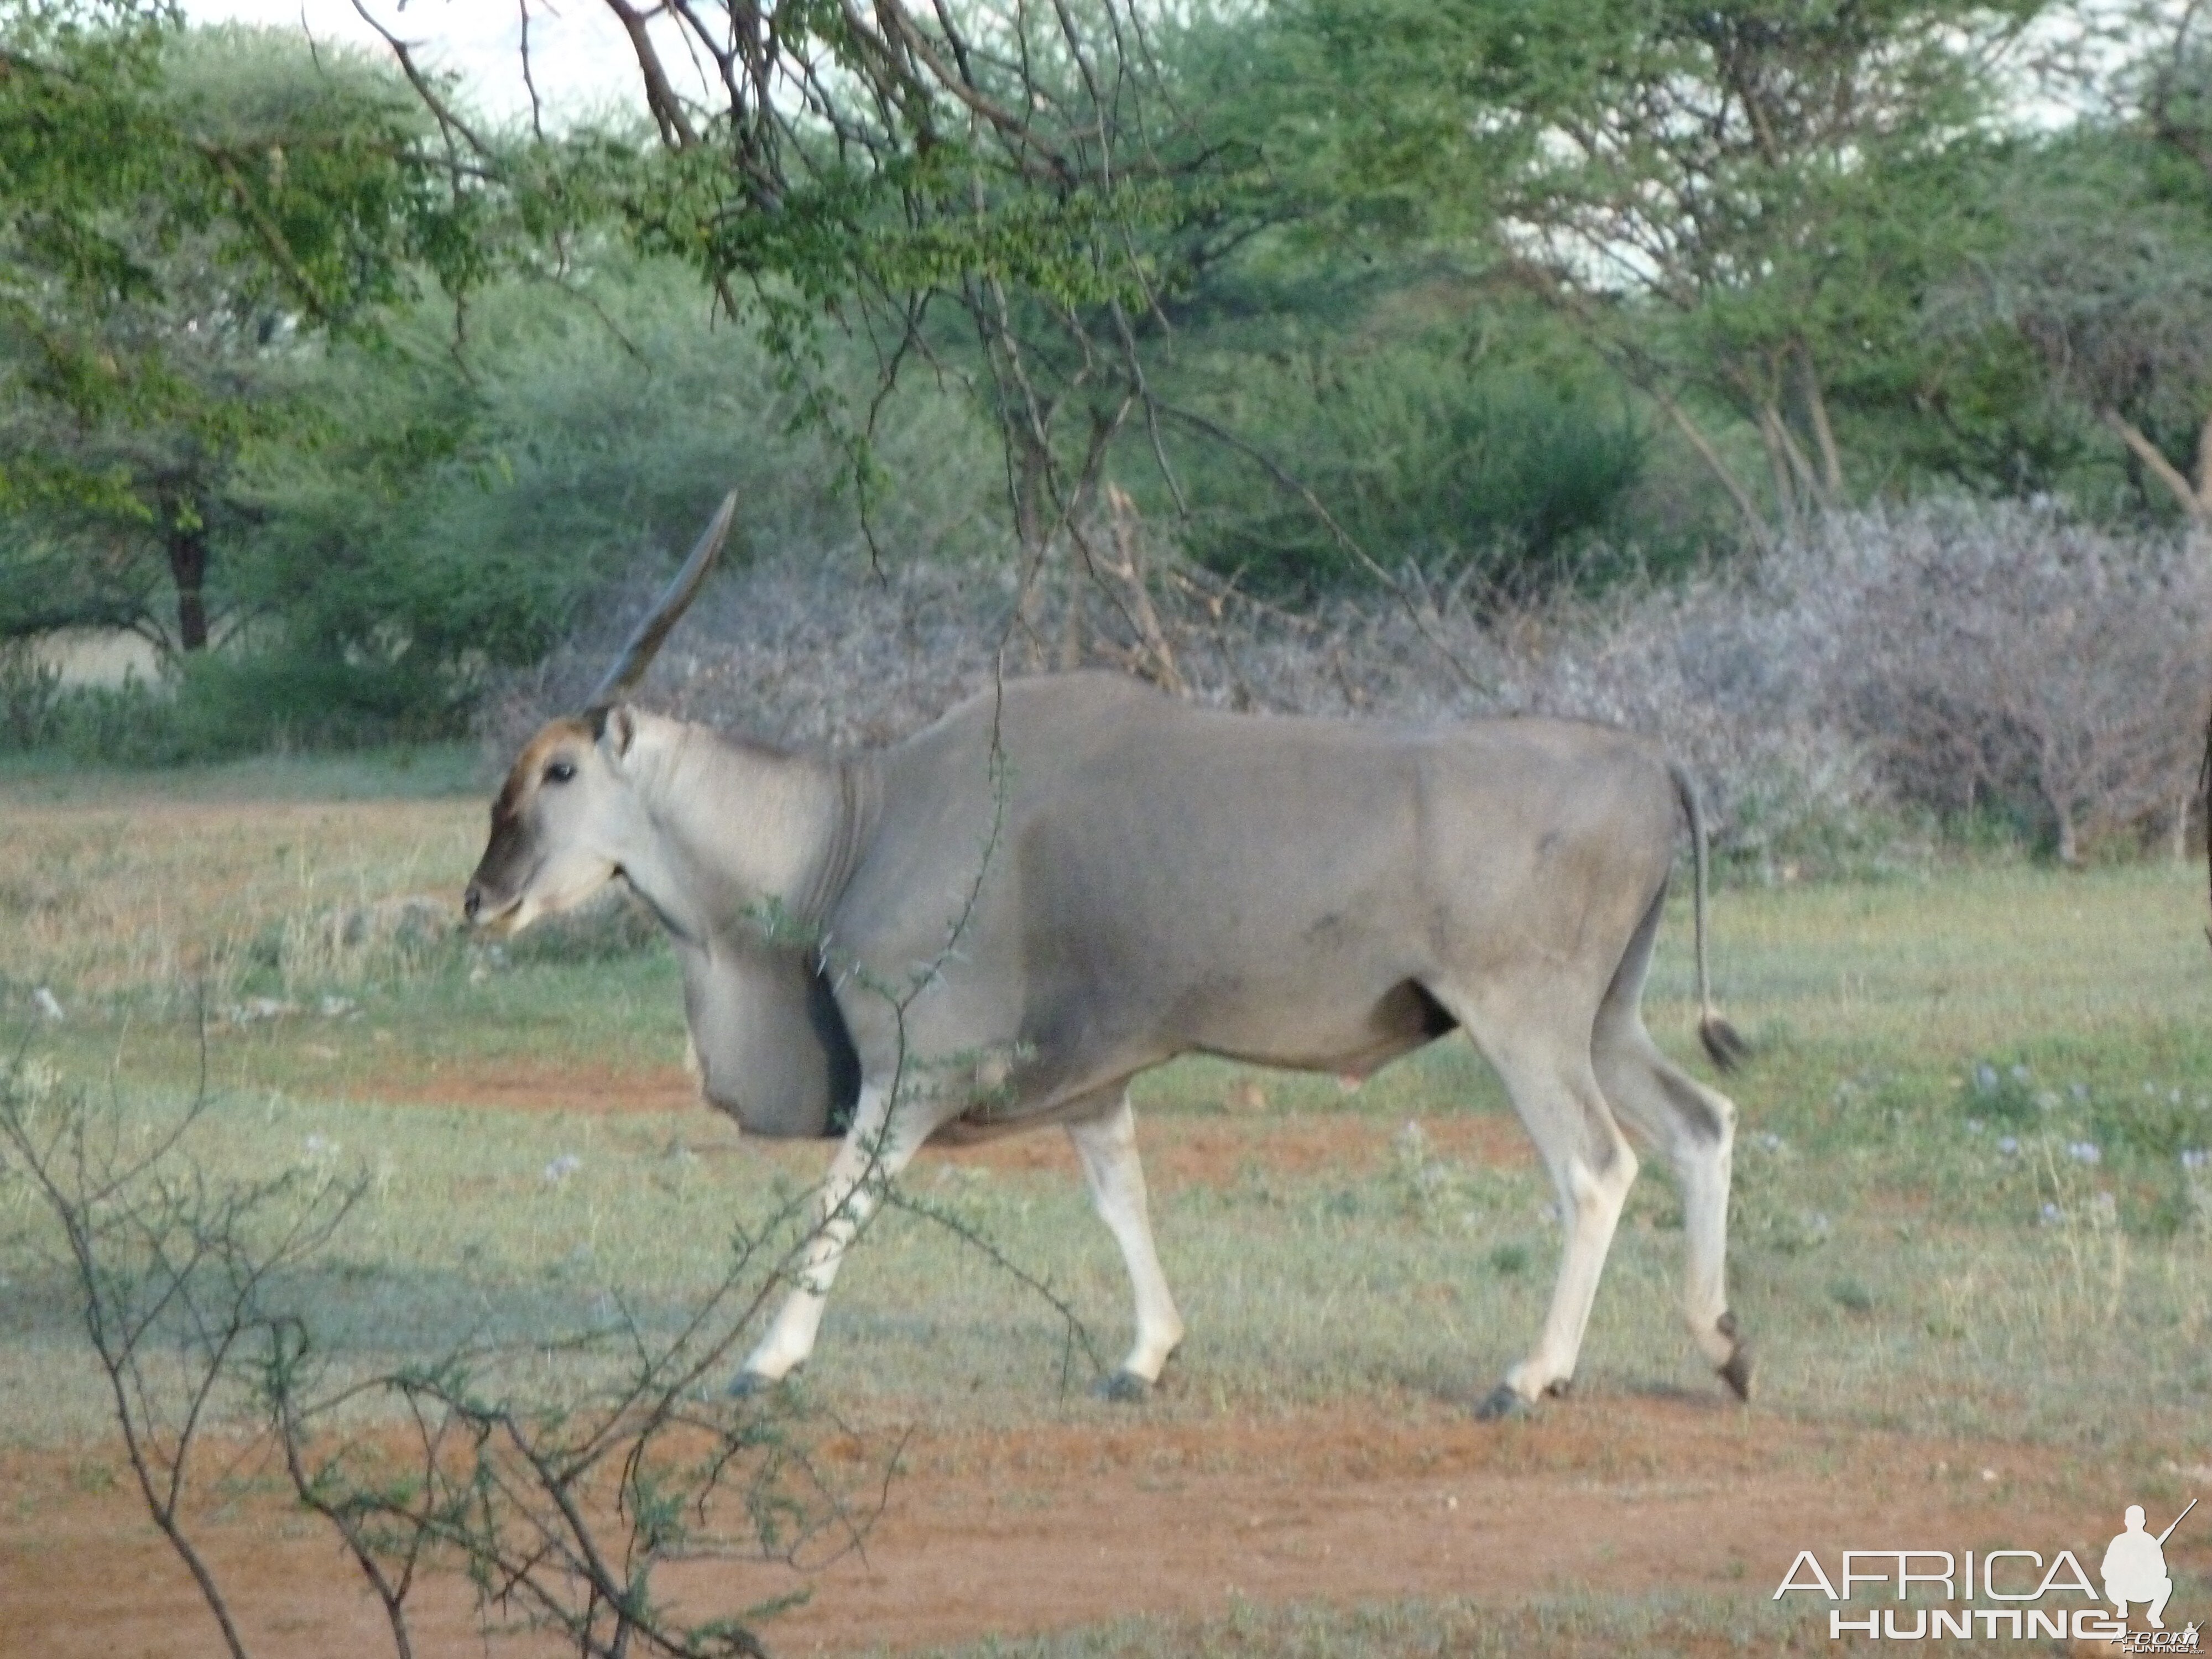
1728	1048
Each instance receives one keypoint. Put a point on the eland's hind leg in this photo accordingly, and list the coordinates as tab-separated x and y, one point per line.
1695	1127
1107	1145
1539	1049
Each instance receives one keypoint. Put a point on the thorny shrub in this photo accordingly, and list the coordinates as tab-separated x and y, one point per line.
202	1294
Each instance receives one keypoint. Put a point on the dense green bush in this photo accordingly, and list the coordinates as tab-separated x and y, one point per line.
1517	473
223	706
598	425
1511	479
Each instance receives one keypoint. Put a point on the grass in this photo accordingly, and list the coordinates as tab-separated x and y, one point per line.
1919	1240
416	771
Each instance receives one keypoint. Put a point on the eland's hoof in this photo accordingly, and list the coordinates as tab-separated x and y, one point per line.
751	1385
1122	1388
1502	1402
1736	1373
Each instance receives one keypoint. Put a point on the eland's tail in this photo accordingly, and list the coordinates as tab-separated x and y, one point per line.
1728	1048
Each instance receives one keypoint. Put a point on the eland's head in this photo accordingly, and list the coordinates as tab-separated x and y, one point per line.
566	809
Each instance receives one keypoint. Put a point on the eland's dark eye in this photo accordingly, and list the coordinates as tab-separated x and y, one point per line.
560	772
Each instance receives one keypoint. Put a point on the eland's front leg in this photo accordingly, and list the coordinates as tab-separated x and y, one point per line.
877	1147
1107	1148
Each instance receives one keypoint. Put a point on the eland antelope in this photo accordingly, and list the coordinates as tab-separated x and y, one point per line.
997	923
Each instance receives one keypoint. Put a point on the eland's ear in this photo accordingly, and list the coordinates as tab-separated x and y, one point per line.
616	728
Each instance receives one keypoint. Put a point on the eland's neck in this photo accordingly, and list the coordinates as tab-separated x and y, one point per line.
740	836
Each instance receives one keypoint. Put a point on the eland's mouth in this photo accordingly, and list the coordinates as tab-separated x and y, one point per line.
499	918
506	916
499	923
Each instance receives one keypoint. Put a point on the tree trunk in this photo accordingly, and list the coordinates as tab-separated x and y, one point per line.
1032	529
1761	535
187	539
2069	843
1072	648
1777	441
1800	467
2196	498
1152	639
1029	490
1824	434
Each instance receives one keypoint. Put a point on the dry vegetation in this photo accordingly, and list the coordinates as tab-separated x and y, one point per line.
161	901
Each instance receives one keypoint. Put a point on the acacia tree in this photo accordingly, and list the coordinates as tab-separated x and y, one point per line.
179	212
1012	196
1739	203
2108	273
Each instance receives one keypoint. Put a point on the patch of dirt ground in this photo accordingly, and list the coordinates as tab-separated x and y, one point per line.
517	1085
1049	1526
1179	1149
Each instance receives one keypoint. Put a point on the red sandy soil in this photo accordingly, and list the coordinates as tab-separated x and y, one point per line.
520	1085
1178	1149
1049	1526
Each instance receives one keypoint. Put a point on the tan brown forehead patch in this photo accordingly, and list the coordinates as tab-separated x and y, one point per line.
532	761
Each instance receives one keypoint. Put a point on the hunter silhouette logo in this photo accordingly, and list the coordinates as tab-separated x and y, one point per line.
2135	1567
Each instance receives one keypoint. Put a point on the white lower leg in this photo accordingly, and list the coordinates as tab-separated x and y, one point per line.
1107	1149
871	1155
1592	1199
1704	1177
790	1336
1696	1128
